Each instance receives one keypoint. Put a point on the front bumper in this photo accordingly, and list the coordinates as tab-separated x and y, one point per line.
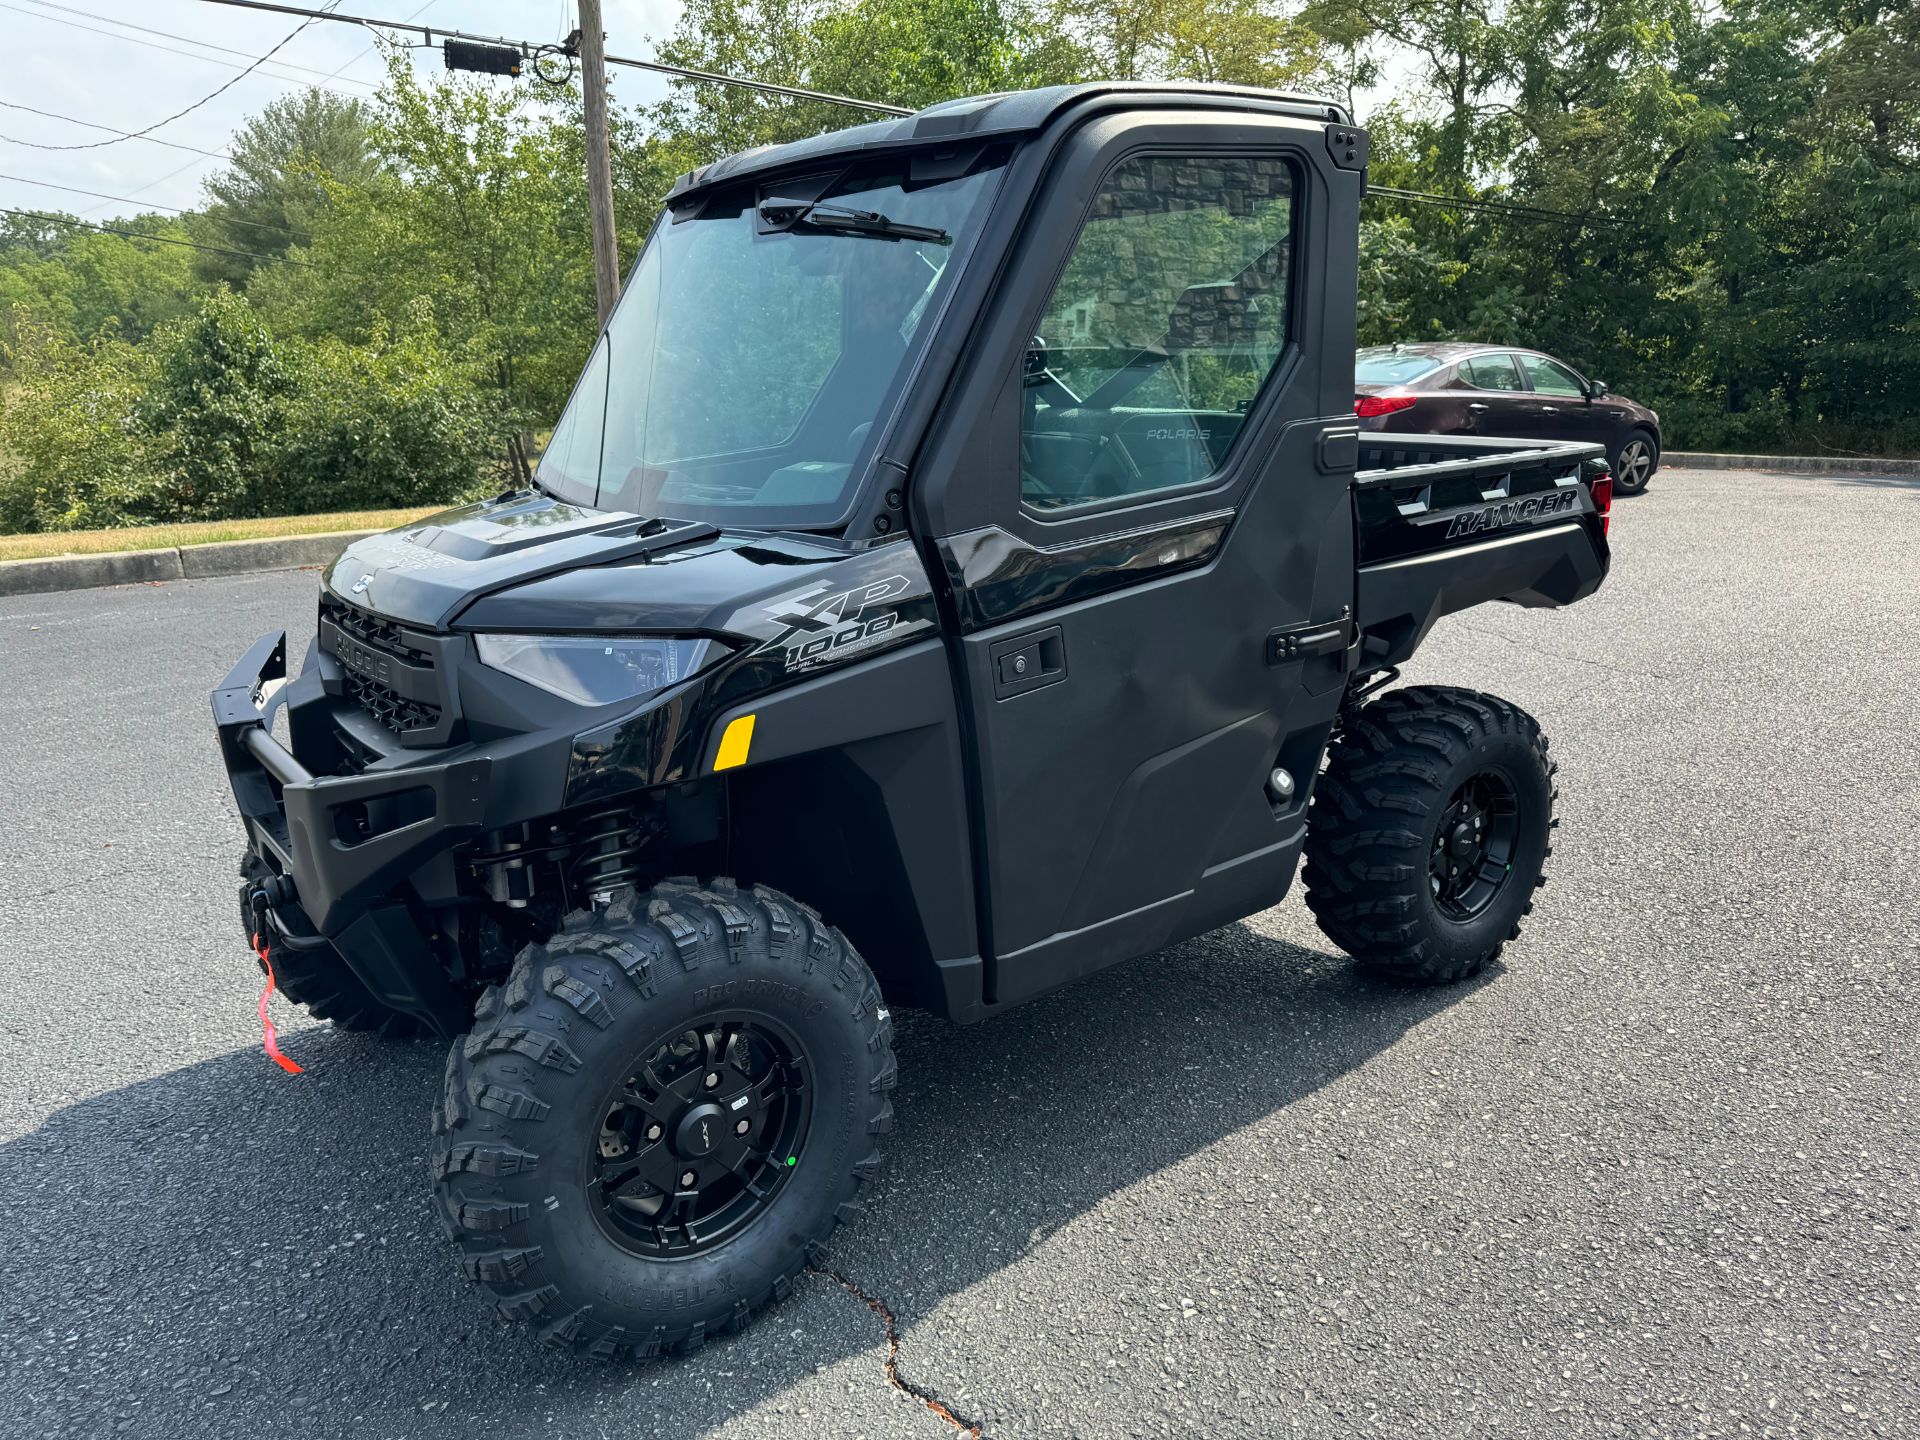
345	841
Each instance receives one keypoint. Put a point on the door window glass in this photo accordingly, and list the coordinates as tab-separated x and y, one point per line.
1490	372
1169	318
1549	377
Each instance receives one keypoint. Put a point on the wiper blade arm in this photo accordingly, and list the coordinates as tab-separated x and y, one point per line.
786	214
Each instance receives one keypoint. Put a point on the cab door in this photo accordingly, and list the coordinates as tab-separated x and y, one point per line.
1147	535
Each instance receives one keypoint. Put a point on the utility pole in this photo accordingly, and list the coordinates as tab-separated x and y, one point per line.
593	83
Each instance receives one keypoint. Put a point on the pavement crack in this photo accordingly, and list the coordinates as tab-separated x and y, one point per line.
970	1428
1538	649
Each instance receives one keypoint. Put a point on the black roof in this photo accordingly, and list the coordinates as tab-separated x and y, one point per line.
981	116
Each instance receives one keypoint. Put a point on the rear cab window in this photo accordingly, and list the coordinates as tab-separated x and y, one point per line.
1391	367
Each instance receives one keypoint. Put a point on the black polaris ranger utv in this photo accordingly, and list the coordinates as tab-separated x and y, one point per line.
957	570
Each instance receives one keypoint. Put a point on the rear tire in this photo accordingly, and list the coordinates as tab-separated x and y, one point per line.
319	980
1634	462
725	1043
1428	832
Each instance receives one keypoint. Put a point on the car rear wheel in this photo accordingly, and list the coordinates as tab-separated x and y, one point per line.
1634	463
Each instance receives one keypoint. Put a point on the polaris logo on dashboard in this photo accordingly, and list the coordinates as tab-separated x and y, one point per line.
1513	512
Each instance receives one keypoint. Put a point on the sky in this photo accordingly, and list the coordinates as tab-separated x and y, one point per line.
128	63
85	58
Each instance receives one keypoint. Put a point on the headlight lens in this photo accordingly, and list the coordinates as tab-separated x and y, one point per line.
596	670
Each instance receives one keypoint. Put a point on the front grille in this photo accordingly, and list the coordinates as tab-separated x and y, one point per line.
389	706
388	671
371	629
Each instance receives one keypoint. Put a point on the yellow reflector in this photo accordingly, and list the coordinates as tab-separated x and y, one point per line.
733	744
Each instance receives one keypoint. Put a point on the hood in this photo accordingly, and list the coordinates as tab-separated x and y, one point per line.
426	573
533	563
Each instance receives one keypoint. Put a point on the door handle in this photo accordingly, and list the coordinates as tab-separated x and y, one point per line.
1027	662
1477	407
1297	642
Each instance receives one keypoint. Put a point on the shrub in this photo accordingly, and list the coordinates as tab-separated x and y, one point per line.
395	421
213	419
73	453
217	414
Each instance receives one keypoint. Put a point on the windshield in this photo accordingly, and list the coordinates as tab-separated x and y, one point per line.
758	349
1390	367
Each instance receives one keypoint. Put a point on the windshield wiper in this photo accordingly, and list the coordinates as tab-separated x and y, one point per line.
786	214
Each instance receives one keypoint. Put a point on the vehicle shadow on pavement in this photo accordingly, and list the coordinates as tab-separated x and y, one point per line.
226	1248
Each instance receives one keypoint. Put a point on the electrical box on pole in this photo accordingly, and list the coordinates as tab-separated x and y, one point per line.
482	59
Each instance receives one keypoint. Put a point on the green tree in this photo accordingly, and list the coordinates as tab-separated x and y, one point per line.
84	283
268	197
478	201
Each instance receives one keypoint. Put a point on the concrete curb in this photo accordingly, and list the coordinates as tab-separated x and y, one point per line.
1790	464
178	562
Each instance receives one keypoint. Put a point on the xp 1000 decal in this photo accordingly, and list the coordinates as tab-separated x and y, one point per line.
825	624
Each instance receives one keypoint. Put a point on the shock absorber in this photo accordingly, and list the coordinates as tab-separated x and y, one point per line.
607	856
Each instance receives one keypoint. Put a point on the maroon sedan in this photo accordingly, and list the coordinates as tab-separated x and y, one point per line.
1460	389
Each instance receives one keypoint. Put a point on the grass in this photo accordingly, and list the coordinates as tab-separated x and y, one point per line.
160	537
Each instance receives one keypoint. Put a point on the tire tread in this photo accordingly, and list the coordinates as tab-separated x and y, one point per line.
1387	772
566	993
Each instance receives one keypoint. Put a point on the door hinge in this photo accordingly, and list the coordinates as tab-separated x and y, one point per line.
1299	642
1347	144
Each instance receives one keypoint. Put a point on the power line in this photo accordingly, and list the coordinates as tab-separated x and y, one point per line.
1498	207
95	125
143	134
151	184
128	200
375	46
140	235
792	92
169	35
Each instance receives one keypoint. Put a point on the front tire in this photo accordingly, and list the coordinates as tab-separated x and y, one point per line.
658	1118
1634	462
1429	831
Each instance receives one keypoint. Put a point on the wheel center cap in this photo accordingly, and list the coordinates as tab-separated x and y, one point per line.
699	1130
1463	840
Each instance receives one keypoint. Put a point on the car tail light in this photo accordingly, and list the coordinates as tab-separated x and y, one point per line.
1367	406
1602	491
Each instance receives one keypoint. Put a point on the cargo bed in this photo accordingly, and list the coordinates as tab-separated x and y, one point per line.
1442	522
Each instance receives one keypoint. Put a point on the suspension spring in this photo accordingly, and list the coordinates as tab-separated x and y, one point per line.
608	854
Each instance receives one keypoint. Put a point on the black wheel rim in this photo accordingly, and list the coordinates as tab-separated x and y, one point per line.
1473	846
698	1139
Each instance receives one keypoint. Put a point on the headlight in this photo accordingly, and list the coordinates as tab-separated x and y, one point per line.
591	670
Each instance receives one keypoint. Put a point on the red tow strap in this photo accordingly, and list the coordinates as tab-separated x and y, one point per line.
270	1041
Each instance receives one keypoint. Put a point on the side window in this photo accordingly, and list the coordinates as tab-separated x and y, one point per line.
1490	372
1548	377
1167	321
570	465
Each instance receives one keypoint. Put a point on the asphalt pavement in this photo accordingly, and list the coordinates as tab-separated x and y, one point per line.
1658	1174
